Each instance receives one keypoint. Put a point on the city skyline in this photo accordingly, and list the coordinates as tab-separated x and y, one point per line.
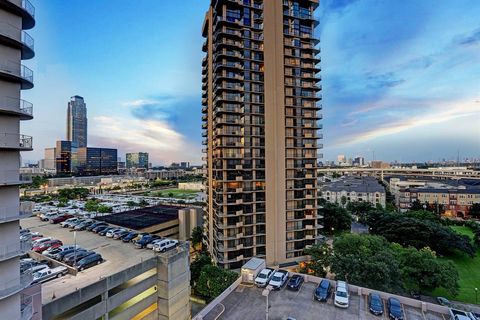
401	85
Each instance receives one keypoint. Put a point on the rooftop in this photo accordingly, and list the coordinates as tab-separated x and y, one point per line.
354	184
113	251
143	218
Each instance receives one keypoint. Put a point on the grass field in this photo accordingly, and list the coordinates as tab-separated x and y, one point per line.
177	194
468	270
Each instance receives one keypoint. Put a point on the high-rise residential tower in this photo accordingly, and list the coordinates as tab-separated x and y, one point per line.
260	119
15	45
77	122
137	160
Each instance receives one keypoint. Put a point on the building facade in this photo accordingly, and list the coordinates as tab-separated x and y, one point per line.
352	189
49	159
77	122
137	160
95	161
260	128
63	157
15	45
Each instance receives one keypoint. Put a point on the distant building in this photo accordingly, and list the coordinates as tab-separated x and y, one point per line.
341	159
49	159
379	164
184	165
63	157
358	161
137	160
164	174
77	122
354	189
95	161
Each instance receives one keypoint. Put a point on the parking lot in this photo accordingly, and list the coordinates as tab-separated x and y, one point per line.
247	302
117	255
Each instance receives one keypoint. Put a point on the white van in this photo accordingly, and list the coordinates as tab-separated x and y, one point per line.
341	298
164	245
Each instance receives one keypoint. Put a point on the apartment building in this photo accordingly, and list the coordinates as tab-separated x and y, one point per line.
260	126
15	45
353	189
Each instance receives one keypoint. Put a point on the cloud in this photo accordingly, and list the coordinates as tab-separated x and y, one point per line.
468	40
386	80
154	136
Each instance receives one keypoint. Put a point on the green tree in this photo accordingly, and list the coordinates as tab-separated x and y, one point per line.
170	194
335	218
421	270
416	206
475	210
320	257
101	208
365	260
200	261
91	205
143	203
131	203
343	201
361	209
197	235
38	181
214	280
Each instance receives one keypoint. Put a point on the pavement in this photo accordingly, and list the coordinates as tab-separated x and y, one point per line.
247	302
117	255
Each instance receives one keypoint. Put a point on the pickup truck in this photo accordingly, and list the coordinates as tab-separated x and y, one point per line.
48	274
456	314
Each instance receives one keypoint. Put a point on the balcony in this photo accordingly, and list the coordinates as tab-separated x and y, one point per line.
15	141
13	177
17	38
26	309
13	213
17	107
16	72
23	8
14	286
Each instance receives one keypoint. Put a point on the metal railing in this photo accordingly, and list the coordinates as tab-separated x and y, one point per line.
28	6
24	210
17	69
15	140
17	105
12	32
13	176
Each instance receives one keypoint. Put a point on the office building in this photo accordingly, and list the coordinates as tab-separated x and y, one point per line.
341	159
77	122
63	157
49	159
184	165
95	161
260	113
358	161
15	45
138	160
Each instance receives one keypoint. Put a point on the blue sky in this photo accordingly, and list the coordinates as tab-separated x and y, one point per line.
400	78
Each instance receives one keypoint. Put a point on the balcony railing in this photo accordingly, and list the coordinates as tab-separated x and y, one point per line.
17	70
16	105
13	177
16	141
14	212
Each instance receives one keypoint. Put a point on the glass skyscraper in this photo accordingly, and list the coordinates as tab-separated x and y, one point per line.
77	122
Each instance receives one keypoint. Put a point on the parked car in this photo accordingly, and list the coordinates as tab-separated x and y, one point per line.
89	261
375	304
140	236
49	215
96	224
104	231
53	251
100	228
119	235
46	245
111	232
83	225
62	255
164	245
145	240
48	274
264	276
279	278
72	257
444	302
72	225
341	298
295	282
60	218
37	267
323	291
68	222
129	237
395	311
40	240
153	243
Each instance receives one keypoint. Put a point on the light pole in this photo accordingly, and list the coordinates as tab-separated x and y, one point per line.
476	295
75	247
266	293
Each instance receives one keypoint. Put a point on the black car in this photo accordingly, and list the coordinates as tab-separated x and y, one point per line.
71	258
295	282
323	291
375	304
89	261
395	311
129	237
96	224
100	228
104	231
61	255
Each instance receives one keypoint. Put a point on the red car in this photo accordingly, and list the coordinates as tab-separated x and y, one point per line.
61	218
46	245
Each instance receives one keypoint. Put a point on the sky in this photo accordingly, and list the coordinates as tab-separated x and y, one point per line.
400	79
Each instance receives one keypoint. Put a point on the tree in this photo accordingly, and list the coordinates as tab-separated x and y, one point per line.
421	270
91	205
170	194
197	235
101	208
343	201
361	209
196	266
131	203
143	203
416	205
336	218
214	280
365	260
475	210
38	181
320	256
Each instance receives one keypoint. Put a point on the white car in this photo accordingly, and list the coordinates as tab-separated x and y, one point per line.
263	277
111	232
279	278
67	222
152	244
165	245
47	274
341	298
40	241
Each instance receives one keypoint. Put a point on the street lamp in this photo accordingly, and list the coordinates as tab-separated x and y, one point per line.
476	295
266	293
